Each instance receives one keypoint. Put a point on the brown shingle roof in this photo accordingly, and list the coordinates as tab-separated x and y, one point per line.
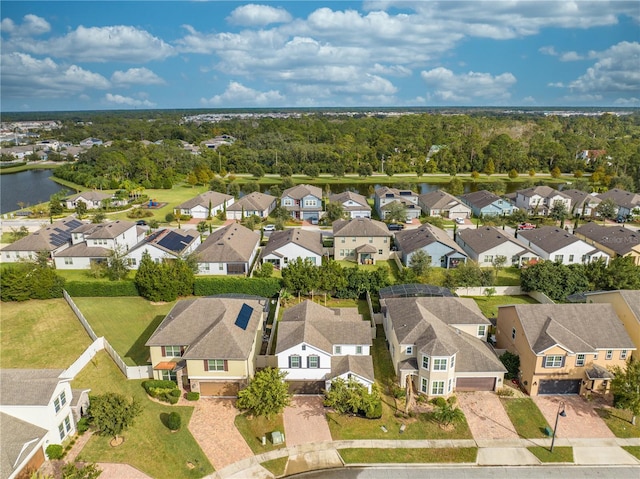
233	243
487	237
438	199
310	240
350	195
620	240
203	200
409	241
300	191
549	238
543	190
360	227
109	230
47	238
254	201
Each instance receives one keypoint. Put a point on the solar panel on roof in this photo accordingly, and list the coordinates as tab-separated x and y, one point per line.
172	241
243	317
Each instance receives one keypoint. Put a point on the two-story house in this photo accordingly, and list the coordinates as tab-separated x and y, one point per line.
613	240
317	344
303	202
93	200
626	201
564	348
204	206
555	244
362	240
290	244
539	200
228	251
164	244
441	203
354	204
209	345
484	245
384	197
436	243
583	204
255	203
51	239
439	345
484	203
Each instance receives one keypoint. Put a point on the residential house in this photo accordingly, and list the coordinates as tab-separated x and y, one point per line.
93	200
255	203
484	203
628	203
626	304
209	344
228	251
37	408
89	142
164	244
355	205
484	245
564	348
384	197
583	204
206	205
316	344
303	202
591	155
539	200
441	203
439	345
293	243
51	239
362	240
436	243
94	242
556	244
613	240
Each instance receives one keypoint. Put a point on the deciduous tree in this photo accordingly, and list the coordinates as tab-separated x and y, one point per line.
112	413
267	393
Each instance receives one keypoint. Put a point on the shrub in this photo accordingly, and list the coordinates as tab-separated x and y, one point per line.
504	392
512	363
54	451
170	399
83	425
158	383
166	391
375	412
170	217
174	421
398	392
193	396
175	393
439	402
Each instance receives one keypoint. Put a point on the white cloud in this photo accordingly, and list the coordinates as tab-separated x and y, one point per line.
633	101
549	50
556	85
615	71
447	86
571	57
258	15
136	76
393	70
237	94
31	25
127	100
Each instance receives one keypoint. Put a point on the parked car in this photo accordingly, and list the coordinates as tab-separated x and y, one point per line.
621	219
460	221
395	226
269	227
141	223
526	226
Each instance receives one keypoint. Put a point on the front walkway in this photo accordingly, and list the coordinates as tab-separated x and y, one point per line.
305	421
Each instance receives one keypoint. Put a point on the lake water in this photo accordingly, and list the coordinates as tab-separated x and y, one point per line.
31	187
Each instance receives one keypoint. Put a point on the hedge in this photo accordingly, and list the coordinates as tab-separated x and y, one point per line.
166	391
265	287
193	396
101	288
54	451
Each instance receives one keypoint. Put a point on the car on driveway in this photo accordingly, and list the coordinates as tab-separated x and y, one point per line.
269	227
460	221
395	226
526	226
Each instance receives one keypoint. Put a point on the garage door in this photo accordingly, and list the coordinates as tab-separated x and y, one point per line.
475	384
560	386
218	389
306	387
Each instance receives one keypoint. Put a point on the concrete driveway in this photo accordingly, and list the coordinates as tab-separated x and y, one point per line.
212	425
305	421
486	416
581	419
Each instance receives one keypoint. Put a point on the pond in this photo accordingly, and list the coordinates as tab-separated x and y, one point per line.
29	187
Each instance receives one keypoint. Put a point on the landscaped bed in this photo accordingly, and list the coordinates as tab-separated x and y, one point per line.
408	455
525	417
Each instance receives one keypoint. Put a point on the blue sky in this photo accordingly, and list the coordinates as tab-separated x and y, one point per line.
101	55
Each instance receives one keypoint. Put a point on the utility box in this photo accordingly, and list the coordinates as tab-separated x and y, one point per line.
277	438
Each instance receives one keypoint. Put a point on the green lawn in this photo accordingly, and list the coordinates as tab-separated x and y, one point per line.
253	429
508	277
619	421
406	455
489	306
84	275
40	334
276	466
390	264
149	445
559	454
126	322
525	416
633	450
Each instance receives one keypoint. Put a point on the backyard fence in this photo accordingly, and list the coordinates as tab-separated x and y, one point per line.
498	291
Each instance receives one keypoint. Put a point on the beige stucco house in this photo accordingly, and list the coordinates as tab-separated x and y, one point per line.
362	240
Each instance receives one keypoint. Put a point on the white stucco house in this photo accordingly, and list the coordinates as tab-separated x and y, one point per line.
52	239
555	244
484	245
354	204
541	199
255	203
436	243
164	244
228	251
288	245
206	205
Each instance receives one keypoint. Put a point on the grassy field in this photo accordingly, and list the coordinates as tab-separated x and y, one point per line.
149	445
40	334
407	456
126	322
619	421
489	306
525	416
559	454
253	429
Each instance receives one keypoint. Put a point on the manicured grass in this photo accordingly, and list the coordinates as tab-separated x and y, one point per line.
149	445
276	466
619	421
508	277
559	454
406	456
84	275
525	416
633	450
253	429
489	306
40	334
126	322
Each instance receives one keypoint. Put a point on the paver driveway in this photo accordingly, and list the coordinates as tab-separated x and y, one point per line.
581	420
305	421
486	416
212	426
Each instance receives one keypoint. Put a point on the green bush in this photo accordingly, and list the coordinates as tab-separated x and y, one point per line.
504	392
83	425
174	421
103	289
375	412
512	363
54	451
175	392
265	287
193	396
166	391
398	392
158	383
439	402
170	399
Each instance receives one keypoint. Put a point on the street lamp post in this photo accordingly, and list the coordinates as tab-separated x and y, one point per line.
555	427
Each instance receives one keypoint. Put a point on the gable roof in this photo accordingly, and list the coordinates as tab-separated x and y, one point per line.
621	240
439	199
171	241
17	441
321	327
409	241
480	199
622	198
254	201
83	250
47	238
360	227
309	240
361	365
207	327
543	191
233	243
387	191
28	387
549	238
630	296
579	198
300	191
203	200
91	196
345	196
487	237
109	230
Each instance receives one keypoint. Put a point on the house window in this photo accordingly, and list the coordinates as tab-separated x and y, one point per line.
288	202
439	364
304	347
294	362
424	383
579	359
358	349
216	365
337	350
623	354
409	350
220	267
558	258
595	357
132	261
60	401
370	240
385	240
513	333
379	251
169	375
437	387
488	258
309	202
482	329
61	431
553	361
609	354
68	261
313	362
425	362
584	258
450	384
343	240
172	351
570	258
64	427
453	362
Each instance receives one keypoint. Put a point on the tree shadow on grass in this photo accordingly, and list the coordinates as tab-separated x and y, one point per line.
138	352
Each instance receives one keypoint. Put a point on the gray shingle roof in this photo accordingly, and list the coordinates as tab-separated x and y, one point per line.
254	201
16	435
438	199
621	240
203	200
28	387
360	227
206	326
543	190
172	241
622	197
350	195
90	195
409	241
580	328
47	238
579	197
360	365
630	296
487	237
233	243
109	230
82	250
549	238
300	191
310	240
321	327
385	191
480	199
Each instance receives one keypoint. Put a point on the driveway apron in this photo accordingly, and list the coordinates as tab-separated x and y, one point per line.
486	416
580	421
305	421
